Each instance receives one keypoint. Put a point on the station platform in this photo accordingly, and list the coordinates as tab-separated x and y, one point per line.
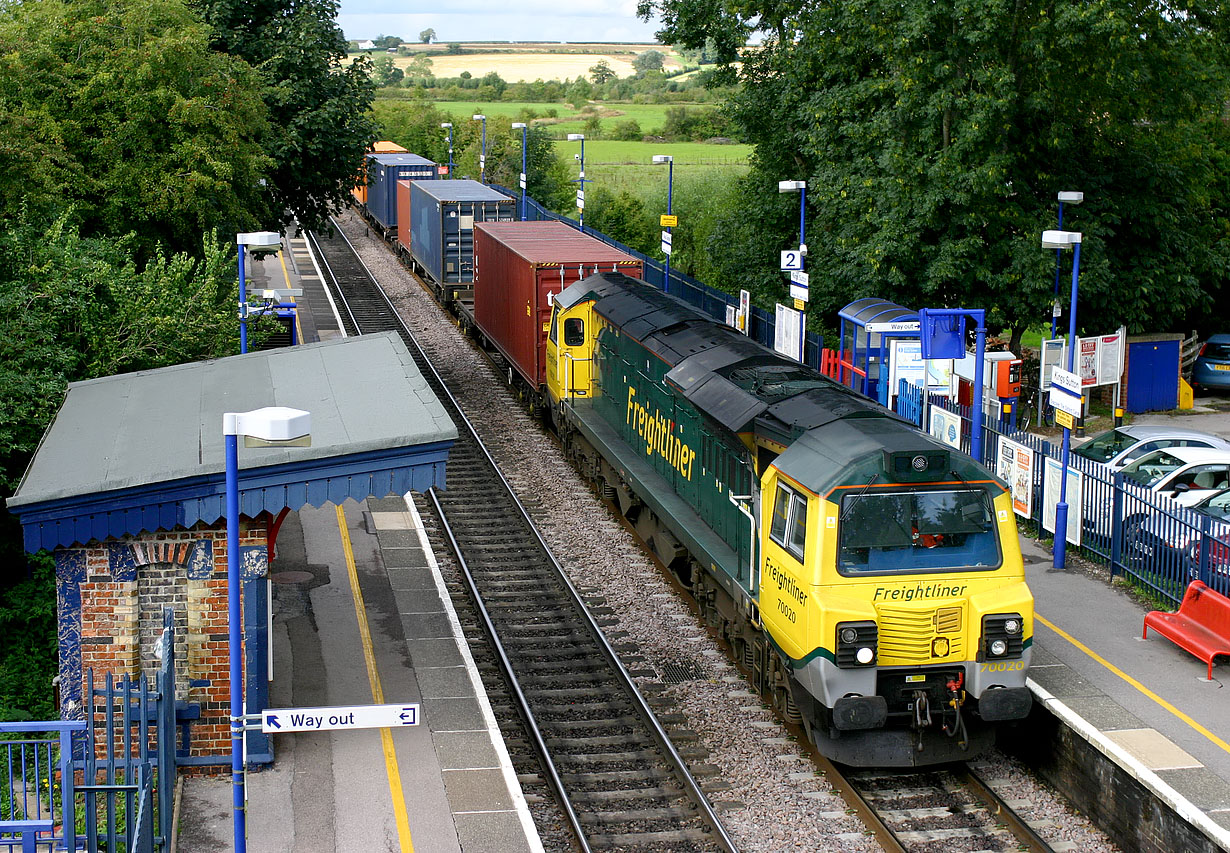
1146	704
1143	703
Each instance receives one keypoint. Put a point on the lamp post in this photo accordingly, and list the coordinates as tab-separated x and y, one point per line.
482	157
798	278
580	137
263	239
523	126
1064	198
448	125
1060	240
659	159
273	425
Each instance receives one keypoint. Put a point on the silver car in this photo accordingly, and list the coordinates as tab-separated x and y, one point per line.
1124	445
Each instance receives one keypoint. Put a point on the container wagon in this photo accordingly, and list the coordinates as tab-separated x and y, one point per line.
442	215
386	171
518	268
359	192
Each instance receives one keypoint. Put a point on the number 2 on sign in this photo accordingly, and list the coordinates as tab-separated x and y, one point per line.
792	259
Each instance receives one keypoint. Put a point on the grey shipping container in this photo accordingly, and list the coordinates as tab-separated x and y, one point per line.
442	217
385	171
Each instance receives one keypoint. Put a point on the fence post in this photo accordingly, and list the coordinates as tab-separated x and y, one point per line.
166	726
1116	522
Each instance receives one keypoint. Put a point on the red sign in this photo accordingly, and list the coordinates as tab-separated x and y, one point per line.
442	170
1088	367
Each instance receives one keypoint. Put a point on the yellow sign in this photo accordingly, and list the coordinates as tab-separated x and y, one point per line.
668	221
800	305
1064	419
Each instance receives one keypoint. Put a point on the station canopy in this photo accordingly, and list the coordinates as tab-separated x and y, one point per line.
142	452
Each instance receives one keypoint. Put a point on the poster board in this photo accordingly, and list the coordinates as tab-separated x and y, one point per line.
788	332
1050	497
906	362
1015	466
945	426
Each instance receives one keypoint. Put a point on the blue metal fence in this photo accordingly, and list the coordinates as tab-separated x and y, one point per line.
710	300
103	783
1128	528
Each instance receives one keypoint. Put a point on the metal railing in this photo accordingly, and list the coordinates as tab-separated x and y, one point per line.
105	782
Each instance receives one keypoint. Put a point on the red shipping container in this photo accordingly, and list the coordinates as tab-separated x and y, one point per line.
403	215
518	267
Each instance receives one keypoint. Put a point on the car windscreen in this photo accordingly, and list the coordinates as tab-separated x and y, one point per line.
1106	446
1149	470
1217	506
1220	352
917	531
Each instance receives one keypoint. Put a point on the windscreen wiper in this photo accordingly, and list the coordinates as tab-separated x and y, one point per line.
845	513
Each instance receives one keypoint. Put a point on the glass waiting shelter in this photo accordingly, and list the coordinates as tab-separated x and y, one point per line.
867	327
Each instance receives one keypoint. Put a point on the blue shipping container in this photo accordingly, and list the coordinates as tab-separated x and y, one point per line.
442	217
385	171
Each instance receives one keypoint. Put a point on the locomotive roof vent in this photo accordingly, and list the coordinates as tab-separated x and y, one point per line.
912	466
773	381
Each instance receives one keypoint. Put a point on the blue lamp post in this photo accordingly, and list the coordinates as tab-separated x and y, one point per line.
264	239
1060	240
1064	198
659	159
482	157
580	137
273	425
448	125
523	126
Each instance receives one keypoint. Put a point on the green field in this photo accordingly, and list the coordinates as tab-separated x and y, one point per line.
650	117
603	152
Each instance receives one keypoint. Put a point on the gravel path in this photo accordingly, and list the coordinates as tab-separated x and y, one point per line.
776	801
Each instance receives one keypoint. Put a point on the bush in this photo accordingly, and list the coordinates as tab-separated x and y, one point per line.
629	131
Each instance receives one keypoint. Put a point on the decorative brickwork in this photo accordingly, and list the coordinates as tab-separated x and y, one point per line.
111	598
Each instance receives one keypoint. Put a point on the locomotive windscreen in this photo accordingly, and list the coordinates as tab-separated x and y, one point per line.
917	531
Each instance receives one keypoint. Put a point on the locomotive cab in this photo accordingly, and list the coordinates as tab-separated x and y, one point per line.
570	349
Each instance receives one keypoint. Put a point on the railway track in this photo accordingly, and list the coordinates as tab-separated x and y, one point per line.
608	761
950	809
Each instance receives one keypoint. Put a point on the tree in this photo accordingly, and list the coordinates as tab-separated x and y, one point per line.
602	72
385	42
453	48
124	109
385	71
649	60
427	35
420	66
323	125
934	138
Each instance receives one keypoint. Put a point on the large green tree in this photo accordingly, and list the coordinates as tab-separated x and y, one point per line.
122	109
934	137
319	104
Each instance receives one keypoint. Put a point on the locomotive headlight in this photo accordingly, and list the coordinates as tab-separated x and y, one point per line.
856	644
1002	636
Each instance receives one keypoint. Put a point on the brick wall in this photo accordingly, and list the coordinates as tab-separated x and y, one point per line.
112	596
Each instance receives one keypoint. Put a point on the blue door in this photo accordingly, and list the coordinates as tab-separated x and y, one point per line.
1153	376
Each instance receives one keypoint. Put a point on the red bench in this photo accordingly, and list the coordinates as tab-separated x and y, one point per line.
1201	625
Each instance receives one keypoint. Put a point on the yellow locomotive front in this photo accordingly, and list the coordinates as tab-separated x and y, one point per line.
893	589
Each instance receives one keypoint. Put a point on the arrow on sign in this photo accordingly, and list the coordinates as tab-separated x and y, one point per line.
408	716
272	721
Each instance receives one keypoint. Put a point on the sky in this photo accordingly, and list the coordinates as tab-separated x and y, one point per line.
490	20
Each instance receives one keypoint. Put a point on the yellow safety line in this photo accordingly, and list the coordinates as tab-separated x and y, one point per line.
386	738
286	275
1132	681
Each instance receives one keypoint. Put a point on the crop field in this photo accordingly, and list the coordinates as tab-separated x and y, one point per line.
650	117
517	67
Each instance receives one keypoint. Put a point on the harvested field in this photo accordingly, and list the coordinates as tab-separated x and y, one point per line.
516	67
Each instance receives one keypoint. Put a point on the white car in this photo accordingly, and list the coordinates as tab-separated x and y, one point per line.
1124	445
1186	475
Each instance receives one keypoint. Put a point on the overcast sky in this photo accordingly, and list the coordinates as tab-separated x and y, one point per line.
488	20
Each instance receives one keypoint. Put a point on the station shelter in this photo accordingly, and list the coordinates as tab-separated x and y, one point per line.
127	491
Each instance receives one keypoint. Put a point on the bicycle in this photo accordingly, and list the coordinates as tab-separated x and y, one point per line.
1035	410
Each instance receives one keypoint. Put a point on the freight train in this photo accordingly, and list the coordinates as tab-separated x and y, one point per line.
868	577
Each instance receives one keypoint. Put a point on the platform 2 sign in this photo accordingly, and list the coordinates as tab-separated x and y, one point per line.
275	720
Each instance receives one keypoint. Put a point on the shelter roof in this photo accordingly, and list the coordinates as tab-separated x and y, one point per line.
145	451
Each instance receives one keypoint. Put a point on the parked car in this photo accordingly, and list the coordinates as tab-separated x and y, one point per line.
1124	445
1212	368
1174	542
1186	475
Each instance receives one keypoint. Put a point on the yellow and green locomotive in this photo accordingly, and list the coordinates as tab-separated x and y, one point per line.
869	578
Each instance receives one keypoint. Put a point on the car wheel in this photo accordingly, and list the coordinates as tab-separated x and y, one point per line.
1134	554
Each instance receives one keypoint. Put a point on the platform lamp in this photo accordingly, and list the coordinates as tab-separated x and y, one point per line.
273	426
1064	198
260	239
482	156
524	130
1060	240
580	137
448	125
658	160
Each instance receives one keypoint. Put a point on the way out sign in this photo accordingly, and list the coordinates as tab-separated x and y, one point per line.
276	720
